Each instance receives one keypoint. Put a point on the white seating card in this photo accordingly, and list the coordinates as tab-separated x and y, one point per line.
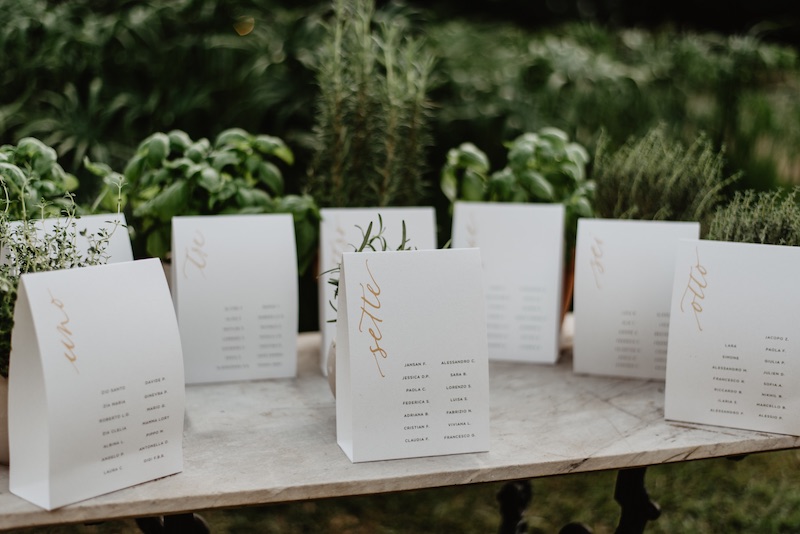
119	245
234	282
96	392
412	374
734	339
623	287
522	247
339	232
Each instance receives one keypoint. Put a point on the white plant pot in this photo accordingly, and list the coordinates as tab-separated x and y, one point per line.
3	421
331	365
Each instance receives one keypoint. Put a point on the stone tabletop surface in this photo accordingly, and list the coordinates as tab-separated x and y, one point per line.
274	441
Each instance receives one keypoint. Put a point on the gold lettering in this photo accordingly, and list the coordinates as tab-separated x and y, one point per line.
338	244
195	255
472	232
697	283
368	310
598	269
64	332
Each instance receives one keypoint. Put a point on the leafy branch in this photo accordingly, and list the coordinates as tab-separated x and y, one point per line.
369	241
27	249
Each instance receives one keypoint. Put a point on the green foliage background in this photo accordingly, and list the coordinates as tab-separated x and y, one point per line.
96	77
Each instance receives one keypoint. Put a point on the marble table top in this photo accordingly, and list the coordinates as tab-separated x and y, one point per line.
274	441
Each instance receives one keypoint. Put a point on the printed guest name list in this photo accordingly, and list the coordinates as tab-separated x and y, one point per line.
734	357
414	375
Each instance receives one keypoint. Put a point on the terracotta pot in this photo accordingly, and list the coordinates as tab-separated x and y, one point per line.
167	266
569	285
3	421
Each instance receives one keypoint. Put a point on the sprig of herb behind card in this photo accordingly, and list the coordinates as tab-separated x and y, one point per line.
370	241
25	250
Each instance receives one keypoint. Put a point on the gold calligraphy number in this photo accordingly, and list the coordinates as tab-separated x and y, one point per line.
472	232
369	309
195	256
338	245
696	286
598	269
64	332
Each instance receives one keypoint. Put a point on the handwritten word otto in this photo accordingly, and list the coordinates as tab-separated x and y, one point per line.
696	286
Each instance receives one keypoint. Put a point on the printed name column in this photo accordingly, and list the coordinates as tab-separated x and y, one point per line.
234	339
113	426
270	336
458	412
531	318
497	317
729	376
515	318
626	343
660	337
775	374
416	402
155	418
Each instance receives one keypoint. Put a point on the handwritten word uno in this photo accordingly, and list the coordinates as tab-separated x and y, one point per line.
64	332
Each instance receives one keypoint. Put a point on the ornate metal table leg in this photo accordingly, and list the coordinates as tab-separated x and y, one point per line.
514	497
150	525
575	528
178	523
637	508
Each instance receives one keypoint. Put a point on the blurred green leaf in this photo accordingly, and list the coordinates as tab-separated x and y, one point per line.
270	175
210	180
170	202
157	148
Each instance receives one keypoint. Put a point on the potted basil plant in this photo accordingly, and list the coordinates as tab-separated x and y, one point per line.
542	166
170	174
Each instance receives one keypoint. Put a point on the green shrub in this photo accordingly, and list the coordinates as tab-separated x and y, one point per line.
35	184
91	79
372	111
543	166
171	175
769	217
657	178
498	81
